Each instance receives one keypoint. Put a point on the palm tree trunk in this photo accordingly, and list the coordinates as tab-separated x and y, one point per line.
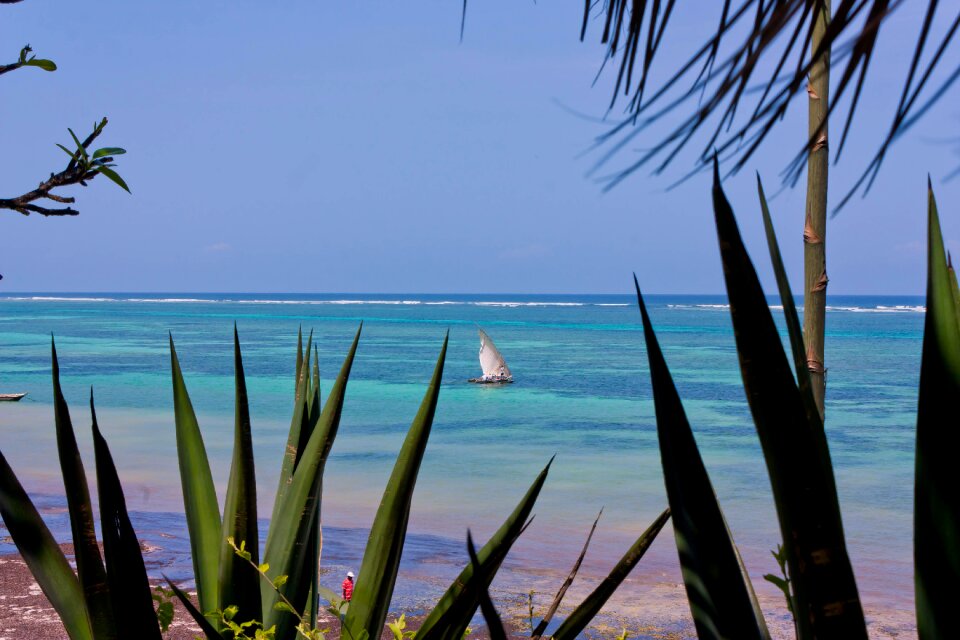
815	223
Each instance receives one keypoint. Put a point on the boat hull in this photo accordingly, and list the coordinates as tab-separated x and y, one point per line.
11	397
492	381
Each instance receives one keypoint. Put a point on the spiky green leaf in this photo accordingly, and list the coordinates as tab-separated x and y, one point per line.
130	594
43	555
795	449
288	541
490	615
239	583
199	495
937	501
209	631
721	597
450	617
562	591
590	607
292	451
790	315
90	569
381	560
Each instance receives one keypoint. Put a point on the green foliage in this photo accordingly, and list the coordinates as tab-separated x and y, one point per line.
238	584
450	618
33	61
937	501
782	581
721	597
290	543
90	569
228	615
100	161
133	611
398	628
545	621
590	607
164	599
795	449
494	624
381	559
42	555
208	628
104	601
199	495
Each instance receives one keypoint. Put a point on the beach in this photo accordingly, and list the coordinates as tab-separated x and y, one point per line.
581	392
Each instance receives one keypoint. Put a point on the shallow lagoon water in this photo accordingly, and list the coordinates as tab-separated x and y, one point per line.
582	392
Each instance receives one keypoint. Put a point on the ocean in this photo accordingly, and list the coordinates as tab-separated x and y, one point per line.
582	392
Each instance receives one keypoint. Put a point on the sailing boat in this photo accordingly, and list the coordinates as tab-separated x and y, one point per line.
495	370
11	397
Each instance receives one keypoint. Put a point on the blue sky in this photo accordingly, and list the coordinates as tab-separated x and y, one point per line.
362	148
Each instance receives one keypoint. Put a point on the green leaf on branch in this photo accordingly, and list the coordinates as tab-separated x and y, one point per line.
72	154
80	147
110	173
108	151
46	65
32	61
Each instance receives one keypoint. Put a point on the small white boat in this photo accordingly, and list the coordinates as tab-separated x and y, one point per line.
11	397
495	369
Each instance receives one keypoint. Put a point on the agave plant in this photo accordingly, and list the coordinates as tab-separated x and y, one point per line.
822	590
108	596
226	549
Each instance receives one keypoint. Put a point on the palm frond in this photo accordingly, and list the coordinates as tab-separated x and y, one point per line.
767	60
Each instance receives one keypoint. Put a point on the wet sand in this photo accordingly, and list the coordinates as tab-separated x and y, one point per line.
647	611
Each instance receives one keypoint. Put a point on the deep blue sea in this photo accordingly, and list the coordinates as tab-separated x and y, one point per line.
582	392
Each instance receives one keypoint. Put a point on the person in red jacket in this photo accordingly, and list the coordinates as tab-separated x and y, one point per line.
348	587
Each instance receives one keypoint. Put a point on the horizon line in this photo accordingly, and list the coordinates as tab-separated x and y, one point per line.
411	293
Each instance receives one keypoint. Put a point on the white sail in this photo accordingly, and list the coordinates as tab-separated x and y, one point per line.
491	361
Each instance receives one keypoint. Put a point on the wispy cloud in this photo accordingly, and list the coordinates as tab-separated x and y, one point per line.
217	247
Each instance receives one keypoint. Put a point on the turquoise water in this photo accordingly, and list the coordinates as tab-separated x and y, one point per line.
581	392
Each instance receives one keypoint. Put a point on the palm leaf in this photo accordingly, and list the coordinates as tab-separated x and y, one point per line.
795	449
90	570
239	582
721	597
450	617
590	607
129	588
43	556
937	510
769	46
381	560
199	494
